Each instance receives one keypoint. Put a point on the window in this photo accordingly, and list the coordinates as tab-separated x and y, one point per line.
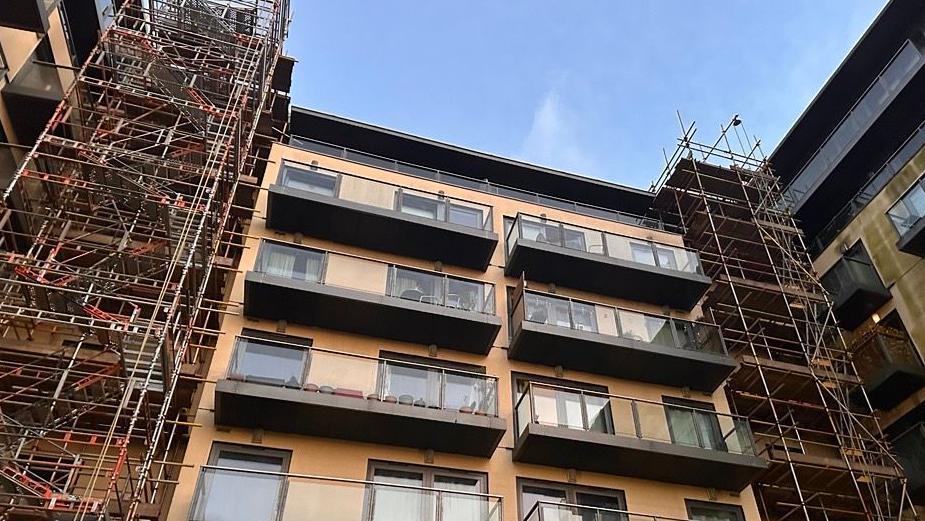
418	286
268	362
692	423
552	497
414	504
704	511
290	262
466	216
422	206
309	180
642	253
566	408
666	258
231	495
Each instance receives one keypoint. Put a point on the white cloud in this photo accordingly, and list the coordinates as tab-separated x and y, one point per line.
553	138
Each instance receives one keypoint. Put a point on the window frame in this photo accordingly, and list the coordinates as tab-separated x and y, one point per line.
571	492
737	510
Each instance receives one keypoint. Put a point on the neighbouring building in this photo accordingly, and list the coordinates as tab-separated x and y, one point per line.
42	45
853	168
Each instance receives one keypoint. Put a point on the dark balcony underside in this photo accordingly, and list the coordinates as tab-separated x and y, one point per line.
625	456
252	405
613	356
892	384
27	15
29	110
346	222
857	306
543	262
279	298
913	241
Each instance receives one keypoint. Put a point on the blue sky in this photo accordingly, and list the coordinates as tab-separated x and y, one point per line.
590	87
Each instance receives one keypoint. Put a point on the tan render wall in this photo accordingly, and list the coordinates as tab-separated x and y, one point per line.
331	457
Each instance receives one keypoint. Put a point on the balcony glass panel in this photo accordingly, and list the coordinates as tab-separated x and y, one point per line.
909	209
563	312
404	383
849	274
622	416
866	109
474	184
348	187
371	276
292	497
883	347
562	511
601	243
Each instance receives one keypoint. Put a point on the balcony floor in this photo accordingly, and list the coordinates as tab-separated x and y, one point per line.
380	229
623	358
342	309
244	404
626	456
542	262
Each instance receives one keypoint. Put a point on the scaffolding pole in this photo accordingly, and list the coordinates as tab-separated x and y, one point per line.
796	381
119	234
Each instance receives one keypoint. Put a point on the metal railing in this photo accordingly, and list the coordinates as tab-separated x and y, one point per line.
358	189
550	511
283	364
481	185
605	244
621	416
567	313
231	493
372	276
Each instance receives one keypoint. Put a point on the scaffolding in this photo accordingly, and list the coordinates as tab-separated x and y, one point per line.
796	381
120	232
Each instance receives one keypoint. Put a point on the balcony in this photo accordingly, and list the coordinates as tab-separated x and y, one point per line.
27	15
557	331
290	388
604	263
32	96
909	448
889	366
908	217
597	432
550	511
368	297
856	291
227	493
362	212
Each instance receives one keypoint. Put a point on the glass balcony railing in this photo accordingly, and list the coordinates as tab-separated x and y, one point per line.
885	173
543	308
361	274
620	416
316	370
472	183
909	209
348	187
550	511
224	494
602	243
865	111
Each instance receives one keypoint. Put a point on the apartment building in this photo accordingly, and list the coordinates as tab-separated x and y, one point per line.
853	168
418	343
42	44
